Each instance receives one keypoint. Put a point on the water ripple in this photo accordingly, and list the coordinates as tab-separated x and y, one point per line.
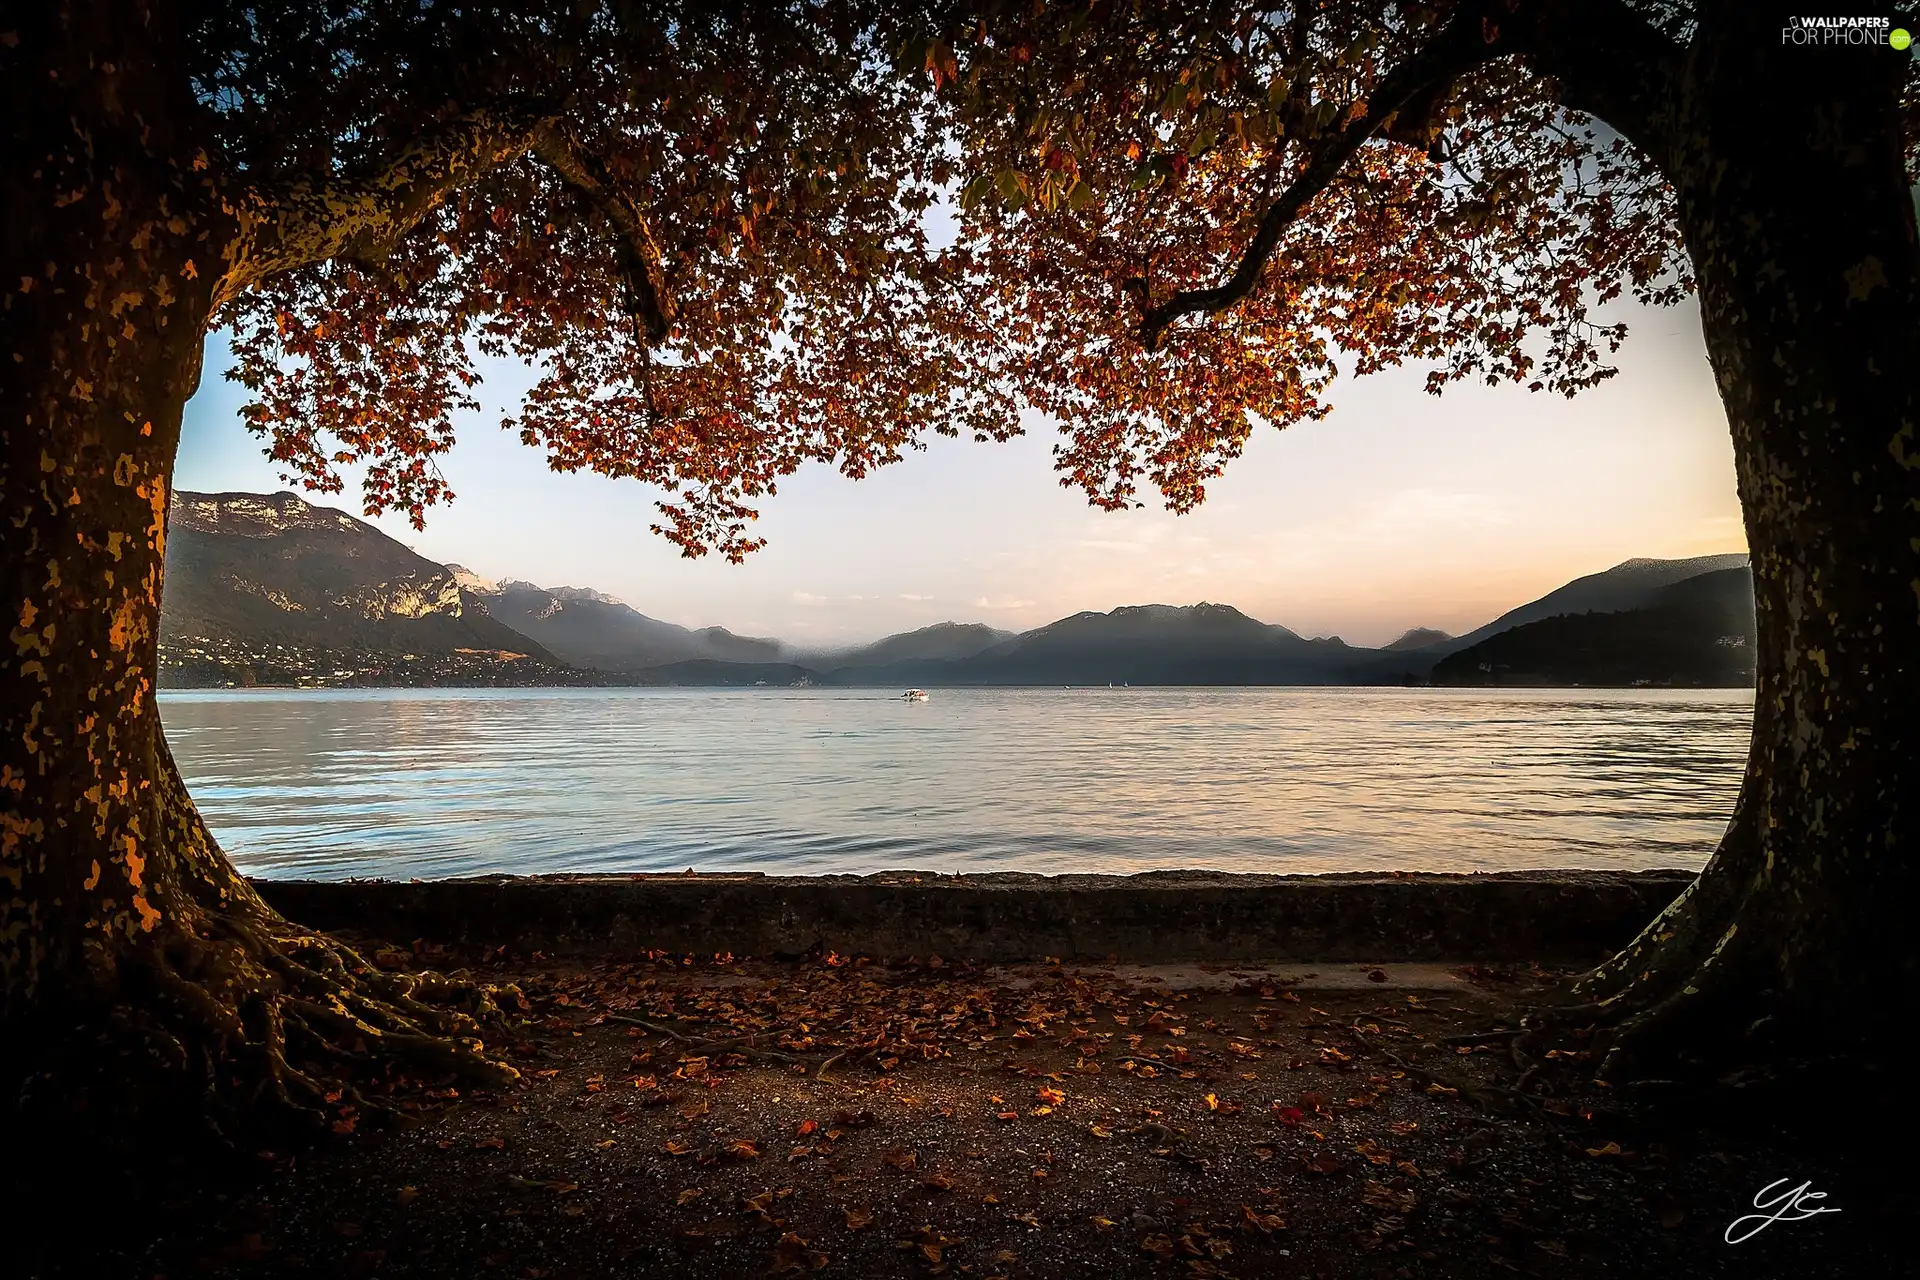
438	782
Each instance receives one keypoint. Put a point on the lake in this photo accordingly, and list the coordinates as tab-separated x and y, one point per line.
444	782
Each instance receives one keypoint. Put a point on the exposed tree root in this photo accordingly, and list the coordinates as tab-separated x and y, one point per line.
261	1032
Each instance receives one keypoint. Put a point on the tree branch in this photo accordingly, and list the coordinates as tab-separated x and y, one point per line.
1463	44
1611	65
641	261
363	215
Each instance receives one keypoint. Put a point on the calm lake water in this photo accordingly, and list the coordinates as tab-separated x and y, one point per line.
444	782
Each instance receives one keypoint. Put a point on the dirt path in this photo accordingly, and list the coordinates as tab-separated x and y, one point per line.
724	1119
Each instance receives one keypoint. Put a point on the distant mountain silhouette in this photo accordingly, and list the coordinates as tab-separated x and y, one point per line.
591	629
267	587
1137	644
1631	584
1418	638
1699	631
270	588
943	641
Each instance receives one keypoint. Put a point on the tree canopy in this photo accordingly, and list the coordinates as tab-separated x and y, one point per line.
736	242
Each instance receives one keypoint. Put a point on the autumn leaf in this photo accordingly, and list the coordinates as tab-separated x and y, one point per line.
743	1149
857	1218
1159	1246
791	1256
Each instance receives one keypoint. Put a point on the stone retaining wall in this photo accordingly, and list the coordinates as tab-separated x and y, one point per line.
1563	917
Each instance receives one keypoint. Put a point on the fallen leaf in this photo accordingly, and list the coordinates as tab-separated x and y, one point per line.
1159	1246
791	1256
1611	1149
1265	1223
857	1218
691	1194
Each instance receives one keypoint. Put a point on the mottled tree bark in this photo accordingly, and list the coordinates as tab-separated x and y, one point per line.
1796	211
136	964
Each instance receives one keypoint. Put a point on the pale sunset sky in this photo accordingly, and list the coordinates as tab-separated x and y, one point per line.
1400	509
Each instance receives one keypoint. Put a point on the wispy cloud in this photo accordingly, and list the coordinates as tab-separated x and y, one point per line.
1001	605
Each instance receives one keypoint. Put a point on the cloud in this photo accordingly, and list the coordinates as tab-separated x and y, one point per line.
999	605
808	599
909	596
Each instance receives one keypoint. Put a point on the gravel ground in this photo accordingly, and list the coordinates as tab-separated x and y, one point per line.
739	1119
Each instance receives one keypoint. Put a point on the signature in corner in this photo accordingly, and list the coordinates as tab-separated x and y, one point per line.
1788	1206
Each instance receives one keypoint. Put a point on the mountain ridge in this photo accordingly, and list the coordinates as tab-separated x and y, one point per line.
254	578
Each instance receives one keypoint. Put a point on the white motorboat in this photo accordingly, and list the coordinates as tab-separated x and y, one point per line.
915	695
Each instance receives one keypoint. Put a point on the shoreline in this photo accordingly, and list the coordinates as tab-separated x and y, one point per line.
1153	917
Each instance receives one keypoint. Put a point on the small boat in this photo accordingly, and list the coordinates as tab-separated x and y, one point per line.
915	695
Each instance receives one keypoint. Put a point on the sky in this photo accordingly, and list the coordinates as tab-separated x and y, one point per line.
1398	510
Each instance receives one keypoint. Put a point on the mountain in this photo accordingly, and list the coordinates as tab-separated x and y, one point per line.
1699	631
1631	584
1139	644
591	629
943	641
1418	638
269	588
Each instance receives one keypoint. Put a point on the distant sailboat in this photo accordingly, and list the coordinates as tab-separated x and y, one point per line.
915	695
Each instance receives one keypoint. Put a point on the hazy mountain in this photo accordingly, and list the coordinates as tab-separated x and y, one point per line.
1699	631
588	628
1139	644
272	588
1418	638
269	587
943	641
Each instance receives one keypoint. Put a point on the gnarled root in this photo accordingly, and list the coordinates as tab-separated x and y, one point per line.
254	1031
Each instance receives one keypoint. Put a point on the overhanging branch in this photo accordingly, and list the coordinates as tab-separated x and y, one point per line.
641	264
364	213
1610	64
1462	44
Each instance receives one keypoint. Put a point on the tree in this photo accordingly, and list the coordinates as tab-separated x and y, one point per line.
1461	183
712	233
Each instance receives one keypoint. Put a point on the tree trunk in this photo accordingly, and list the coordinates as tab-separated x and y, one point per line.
1797	215
135	963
